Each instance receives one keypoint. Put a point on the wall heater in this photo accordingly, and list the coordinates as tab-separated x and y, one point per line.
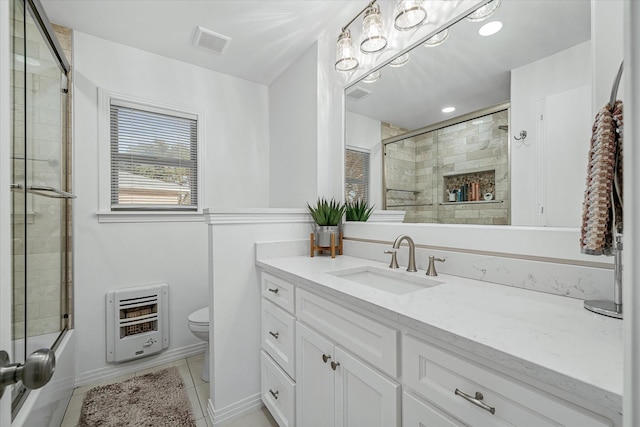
137	322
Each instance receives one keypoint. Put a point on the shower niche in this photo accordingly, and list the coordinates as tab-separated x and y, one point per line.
454	172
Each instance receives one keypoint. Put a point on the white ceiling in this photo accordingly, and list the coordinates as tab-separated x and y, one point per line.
266	36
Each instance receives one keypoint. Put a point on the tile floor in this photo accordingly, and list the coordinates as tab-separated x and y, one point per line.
198	392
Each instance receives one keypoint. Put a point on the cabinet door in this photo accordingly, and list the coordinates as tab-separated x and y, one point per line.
315	379
364	397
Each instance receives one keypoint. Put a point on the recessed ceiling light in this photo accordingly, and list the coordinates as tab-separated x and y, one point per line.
448	109
490	28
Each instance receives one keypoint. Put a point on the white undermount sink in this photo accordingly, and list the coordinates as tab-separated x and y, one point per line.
393	281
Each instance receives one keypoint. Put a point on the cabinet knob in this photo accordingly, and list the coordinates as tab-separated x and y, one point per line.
274	393
325	357
274	290
274	334
334	365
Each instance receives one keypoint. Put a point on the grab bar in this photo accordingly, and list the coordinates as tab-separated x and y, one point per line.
45	191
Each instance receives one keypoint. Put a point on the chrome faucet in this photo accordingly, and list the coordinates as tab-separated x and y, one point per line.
412	250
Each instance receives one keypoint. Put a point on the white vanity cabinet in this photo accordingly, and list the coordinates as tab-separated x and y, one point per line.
337	389
277	384
479	396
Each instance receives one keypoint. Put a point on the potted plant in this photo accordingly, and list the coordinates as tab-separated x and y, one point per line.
358	210
327	215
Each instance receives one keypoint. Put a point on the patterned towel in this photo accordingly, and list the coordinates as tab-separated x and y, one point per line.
602	208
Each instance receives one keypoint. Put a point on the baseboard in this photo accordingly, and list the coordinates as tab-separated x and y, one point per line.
234	411
116	370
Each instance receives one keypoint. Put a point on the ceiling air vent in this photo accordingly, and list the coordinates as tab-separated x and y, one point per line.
357	93
214	42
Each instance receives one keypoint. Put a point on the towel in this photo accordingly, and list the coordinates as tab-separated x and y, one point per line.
602	208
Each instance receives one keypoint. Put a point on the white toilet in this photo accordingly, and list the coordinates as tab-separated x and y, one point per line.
199	326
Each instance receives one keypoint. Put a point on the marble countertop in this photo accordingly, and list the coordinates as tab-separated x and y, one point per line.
549	338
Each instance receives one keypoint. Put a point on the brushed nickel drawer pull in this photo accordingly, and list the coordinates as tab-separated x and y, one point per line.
274	334
477	400
334	365
325	357
274	290
274	393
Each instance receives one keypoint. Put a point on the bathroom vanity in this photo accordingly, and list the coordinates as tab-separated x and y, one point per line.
349	342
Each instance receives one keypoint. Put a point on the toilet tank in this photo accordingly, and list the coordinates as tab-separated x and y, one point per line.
137	322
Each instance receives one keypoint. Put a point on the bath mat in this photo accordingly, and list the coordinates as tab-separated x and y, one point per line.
155	399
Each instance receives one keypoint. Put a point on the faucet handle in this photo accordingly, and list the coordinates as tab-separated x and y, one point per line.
431	271
394	259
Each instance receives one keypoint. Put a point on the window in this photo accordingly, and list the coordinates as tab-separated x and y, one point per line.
154	158
356	163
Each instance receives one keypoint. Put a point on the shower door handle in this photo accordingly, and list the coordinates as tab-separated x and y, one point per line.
34	373
45	191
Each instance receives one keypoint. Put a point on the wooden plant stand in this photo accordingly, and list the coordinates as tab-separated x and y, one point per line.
333	247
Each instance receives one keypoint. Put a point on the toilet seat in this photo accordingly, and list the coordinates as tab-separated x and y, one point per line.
200	317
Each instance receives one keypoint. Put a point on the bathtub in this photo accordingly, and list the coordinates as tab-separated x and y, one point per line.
45	407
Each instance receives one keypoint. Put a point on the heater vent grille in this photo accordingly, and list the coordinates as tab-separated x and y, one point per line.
212	41
137	322
357	93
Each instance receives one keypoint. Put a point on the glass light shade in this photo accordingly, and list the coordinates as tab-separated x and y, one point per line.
345	53
409	14
437	39
400	60
373	77
484	12
373	39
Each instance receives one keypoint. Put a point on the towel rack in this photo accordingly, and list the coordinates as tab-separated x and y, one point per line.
613	308
616	84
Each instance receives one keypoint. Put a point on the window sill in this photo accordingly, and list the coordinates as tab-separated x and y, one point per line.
124	216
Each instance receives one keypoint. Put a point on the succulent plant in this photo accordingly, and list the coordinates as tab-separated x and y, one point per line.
327	212
358	210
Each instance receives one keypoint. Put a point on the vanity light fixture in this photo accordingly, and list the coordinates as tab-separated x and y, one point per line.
484	12
448	109
437	39
345	53
409	14
490	28
373	39
373	77
400	60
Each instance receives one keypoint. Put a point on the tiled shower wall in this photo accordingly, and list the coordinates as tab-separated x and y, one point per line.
415	169
38	305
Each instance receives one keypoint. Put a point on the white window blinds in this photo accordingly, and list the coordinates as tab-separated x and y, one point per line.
356	175
153	158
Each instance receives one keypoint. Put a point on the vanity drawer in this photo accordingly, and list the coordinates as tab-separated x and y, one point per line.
370	340
436	374
278	335
418	413
278	392
278	291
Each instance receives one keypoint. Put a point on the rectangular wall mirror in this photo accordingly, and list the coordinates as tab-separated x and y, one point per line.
473	165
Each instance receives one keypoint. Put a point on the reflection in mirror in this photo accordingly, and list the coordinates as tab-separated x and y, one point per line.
539	63
454	173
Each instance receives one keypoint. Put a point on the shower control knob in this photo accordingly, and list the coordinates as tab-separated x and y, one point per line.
36	371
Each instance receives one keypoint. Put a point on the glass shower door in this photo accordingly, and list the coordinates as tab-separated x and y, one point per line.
40	204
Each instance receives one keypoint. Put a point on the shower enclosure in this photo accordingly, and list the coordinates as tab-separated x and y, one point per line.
455	172
40	187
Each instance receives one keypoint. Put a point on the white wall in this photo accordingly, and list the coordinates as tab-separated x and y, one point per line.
293	106
530	85
608	45
117	255
365	132
236	295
